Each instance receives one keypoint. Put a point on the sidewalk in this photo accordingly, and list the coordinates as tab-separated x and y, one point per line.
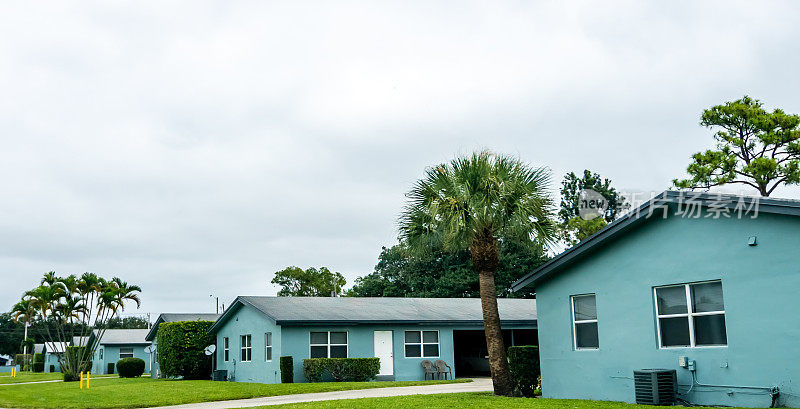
477	385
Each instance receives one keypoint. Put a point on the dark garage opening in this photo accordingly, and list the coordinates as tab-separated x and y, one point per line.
471	355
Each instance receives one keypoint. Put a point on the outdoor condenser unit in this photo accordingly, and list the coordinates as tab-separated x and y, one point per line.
655	386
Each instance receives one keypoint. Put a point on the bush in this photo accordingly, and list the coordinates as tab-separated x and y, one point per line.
23	361
524	365
38	362
287	369
130	367
110	368
341	369
181	348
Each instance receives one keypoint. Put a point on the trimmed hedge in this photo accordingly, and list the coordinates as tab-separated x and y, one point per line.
38	362
341	369
524	365
130	367
287	369
181	347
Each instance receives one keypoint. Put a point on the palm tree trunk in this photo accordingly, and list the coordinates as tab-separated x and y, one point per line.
484	252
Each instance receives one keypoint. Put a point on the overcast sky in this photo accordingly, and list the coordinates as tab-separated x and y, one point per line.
197	147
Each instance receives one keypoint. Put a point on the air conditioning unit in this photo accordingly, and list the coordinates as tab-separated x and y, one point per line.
655	386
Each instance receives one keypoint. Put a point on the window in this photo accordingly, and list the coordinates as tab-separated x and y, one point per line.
101	353
328	344
691	315
226	349
422	344
125	353
584	322
247	348
268	346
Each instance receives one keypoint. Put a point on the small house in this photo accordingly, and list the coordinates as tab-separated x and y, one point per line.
116	344
53	354
254	332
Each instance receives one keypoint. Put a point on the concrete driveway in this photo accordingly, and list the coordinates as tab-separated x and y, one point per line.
477	385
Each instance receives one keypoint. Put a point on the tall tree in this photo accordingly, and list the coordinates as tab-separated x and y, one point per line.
442	274
755	148
311	282
573	227
476	203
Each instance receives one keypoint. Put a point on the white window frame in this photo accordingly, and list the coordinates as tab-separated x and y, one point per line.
126	354
246	350
267	347
422	344
226	349
101	353
328	344
576	322
689	315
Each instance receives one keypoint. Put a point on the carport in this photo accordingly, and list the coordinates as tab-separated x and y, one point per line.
471	355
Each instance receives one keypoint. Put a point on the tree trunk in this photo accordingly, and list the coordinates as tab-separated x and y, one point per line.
484	252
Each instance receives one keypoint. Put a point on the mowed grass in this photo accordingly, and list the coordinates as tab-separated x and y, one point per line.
482	400
145	392
5	377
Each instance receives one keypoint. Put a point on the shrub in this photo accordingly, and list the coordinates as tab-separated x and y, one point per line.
524	365
23	361
110	368
76	354
130	367
341	369
181	348
38	362
287	369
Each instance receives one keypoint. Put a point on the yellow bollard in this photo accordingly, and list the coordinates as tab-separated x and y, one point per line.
87	379
80	382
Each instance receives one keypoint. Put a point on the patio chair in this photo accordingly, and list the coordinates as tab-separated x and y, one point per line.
428	367
442	369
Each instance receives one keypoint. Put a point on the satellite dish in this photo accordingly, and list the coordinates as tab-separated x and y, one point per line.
210	349
150	349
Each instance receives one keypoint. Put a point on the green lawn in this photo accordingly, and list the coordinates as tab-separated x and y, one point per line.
5	377
144	392
482	400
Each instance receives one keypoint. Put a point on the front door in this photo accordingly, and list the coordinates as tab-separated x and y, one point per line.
383	350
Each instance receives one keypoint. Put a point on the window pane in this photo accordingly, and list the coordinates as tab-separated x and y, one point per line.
707	297
586	335
319	337
319	352
269	354
671	300
413	351
431	350
338	337
338	352
430	336
243	356
268	338
674	331
412	337
710	330
585	308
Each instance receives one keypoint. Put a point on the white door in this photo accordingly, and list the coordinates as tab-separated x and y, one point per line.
383	350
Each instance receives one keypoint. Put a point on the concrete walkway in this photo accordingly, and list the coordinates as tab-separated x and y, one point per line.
477	385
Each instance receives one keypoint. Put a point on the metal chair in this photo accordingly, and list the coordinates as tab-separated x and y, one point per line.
442	369
429	368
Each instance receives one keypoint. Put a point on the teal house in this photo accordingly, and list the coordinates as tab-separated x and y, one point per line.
703	284
152	335
255	331
116	344
53	352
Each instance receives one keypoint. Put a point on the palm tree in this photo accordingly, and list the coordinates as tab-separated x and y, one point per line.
474	203
24	311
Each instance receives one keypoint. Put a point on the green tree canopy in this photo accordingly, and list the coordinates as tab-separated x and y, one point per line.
311	282
574	228
442	274
128	323
755	148
475	203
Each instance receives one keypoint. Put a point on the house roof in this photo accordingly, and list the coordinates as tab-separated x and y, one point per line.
80	341
367	310
668	200
123	336
55	347
38	348
177	317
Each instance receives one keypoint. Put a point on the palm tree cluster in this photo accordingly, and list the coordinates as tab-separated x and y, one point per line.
476	203
77	305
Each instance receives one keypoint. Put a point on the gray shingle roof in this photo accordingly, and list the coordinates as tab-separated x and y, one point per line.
320	310
124	336
177	317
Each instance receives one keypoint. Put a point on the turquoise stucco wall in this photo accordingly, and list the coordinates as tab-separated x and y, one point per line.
294	341
51	359
249	321
760	286
111	354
